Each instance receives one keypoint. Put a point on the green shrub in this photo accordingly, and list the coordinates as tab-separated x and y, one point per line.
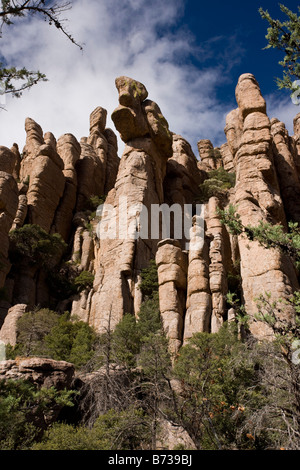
32	328
48	334
218	183
34	245
85	280
124	430
20	405
149	283
71	341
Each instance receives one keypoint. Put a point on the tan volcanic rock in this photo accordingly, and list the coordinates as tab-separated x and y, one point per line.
257	197
8	331
21	212
129	118
99	162
207	155
69	150
7	160
8	207
234	130
46	187
139	182
172	278
183	177
40	371
198	303
98	120
16	171
286	166
248	95
112	160
34	139
227	158
217	272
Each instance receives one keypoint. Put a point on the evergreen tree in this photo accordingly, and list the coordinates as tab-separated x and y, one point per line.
15	80
285	36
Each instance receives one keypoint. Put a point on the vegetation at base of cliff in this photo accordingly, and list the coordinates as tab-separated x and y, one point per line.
112	431
225	390
47	334
23	412
217	184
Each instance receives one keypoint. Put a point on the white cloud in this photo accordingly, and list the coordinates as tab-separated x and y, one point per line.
282	108
132	38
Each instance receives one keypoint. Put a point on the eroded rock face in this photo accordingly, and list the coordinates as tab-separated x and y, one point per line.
46	187
8	332
60	180
39	371
69	150
8	207
287	171
257	197
172	278
139	182
183	175
99	162
208	160
217	267
248	95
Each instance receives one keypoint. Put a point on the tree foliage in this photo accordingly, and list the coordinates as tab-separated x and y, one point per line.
127	430
217	184
149	282
268	235
45	333
20	404
15	80
32	244
285	36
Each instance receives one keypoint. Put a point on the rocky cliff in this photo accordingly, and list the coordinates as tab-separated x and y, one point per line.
61	185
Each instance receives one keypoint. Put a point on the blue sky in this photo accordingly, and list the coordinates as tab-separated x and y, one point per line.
189	55
236	33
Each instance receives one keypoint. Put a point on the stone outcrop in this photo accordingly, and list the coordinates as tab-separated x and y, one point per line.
181	184
257	196
139	183
171	262
217	266
8	332
59	183
39	371
46	187
69	150
210	159
198	304
8	206
99	162
287	171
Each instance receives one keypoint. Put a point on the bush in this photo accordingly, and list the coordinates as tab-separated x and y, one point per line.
85	280
71	341
218	183
34	245
48	334
32	328
22	407
123	430
149	283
